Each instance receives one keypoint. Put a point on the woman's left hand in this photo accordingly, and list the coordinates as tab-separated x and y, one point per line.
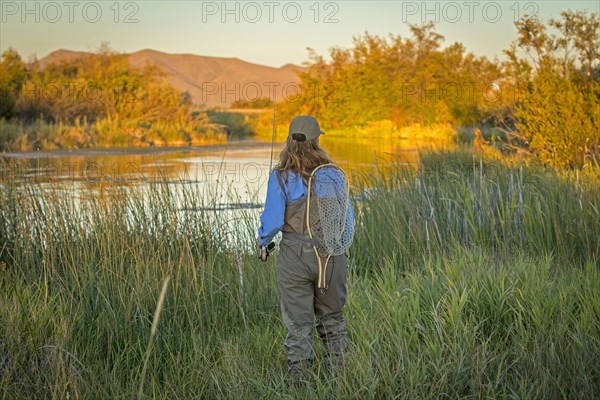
263	255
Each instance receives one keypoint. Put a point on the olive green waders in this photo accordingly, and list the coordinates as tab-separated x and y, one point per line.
297	278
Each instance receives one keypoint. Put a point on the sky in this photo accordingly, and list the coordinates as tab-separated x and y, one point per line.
264	32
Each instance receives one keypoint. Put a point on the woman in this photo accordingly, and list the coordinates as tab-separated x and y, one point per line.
297	266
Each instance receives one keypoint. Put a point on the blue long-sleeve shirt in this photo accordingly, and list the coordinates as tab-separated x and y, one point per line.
272	218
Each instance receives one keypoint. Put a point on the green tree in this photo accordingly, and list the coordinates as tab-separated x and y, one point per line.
263	102
101	86
557	113
13	73
404	80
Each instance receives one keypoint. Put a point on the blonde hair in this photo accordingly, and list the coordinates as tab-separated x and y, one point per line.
302	157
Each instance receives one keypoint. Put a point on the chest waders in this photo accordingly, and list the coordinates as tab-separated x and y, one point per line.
308	287
296	230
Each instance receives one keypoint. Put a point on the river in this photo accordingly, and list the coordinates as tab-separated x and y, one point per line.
241	165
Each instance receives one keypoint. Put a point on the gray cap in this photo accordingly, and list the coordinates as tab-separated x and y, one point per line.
306	125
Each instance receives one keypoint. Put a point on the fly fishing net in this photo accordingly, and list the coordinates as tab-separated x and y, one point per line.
329	219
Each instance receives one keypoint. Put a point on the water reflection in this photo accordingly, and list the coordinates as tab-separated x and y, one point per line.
239	169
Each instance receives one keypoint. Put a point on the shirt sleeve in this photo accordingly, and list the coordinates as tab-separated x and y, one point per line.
272	217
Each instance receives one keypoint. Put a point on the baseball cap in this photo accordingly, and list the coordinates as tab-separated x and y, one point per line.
304	127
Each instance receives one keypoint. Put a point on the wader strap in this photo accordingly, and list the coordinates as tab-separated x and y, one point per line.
280	180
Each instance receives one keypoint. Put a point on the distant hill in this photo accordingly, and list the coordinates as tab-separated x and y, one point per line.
214	81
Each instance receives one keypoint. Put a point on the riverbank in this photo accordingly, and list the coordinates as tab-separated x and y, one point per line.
374	131
41	135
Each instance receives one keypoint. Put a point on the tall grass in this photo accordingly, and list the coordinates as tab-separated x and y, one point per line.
464	282
458	197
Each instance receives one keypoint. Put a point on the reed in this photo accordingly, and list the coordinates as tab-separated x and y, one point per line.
457	197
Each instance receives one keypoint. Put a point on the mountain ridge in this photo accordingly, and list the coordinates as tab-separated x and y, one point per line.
212	81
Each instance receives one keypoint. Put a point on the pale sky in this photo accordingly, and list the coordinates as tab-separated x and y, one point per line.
264	32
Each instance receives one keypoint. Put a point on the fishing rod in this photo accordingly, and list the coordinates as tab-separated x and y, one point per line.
273	134
266	250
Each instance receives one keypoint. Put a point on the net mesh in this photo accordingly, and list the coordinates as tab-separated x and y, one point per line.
330	218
